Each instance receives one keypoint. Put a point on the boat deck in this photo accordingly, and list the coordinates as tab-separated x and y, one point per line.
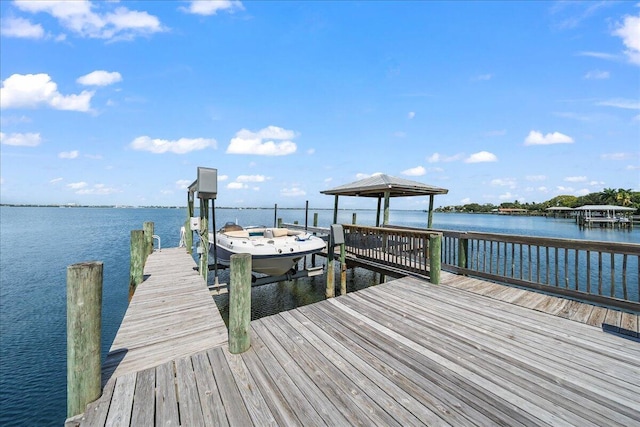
401	353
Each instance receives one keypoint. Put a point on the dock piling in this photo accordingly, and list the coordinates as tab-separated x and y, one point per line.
240	303
138	256
84	311
148	228
435	246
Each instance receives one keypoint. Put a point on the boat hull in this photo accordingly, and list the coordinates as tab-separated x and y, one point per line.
269	256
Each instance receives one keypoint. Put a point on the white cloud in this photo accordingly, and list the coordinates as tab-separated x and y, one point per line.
536	138
576	179
88	19
366	175
292	192
617	156
465	201
251	178
247	142
417	171
100	78
69	154
311	151
597	75
236	186
21	28
180	146
77	185
437	157
411	115
504	182
56	180
211	7
506	196
629	32
582	192
535	177
183	184
223	177
630	104
481	157
33	90
99	189
21	139
599	55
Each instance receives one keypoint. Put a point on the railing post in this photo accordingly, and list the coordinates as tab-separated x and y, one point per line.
240	303
463	251
343	270
187	225
279	222
148	238
330	291
353	218
315	224
435	245
84	311
136	269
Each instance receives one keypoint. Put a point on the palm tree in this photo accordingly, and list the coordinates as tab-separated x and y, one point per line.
624	196
609	195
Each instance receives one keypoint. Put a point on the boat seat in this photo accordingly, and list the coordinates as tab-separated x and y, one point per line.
237	233
271	233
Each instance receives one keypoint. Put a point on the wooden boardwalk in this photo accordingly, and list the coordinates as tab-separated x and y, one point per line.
170	315
398	354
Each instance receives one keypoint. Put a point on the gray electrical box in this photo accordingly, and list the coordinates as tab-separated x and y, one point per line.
337	234
207	183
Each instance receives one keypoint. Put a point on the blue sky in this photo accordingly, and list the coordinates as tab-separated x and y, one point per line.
119	102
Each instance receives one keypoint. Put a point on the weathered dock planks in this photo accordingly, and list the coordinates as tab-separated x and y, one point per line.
403	353
171	315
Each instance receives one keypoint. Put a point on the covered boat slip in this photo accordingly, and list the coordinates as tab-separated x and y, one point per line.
406	352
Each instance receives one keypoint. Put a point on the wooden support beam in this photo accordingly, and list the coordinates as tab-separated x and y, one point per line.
136	267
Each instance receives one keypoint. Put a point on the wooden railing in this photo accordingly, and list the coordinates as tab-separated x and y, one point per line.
602	272
606	273
416	251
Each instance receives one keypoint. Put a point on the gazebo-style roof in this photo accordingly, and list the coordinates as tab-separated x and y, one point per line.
385	186
378	185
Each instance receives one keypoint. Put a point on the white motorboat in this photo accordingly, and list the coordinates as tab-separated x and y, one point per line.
274	251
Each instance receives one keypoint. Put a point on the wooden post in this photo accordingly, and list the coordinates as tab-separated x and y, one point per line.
378	212
463	250
279	222
84	311
435	243
353	218
204	239
343	270
330	291
275	215
187	224
385	218
315	224
240	303
136	269
335	210
430	217
148	238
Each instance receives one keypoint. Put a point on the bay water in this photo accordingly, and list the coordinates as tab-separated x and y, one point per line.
38	243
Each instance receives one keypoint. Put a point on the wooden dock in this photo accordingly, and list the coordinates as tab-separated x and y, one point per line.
403	353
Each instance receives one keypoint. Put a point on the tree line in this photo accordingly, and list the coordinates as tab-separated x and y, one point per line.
608	196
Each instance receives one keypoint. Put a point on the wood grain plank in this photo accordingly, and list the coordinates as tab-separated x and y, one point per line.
188	398
143	412
167	413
